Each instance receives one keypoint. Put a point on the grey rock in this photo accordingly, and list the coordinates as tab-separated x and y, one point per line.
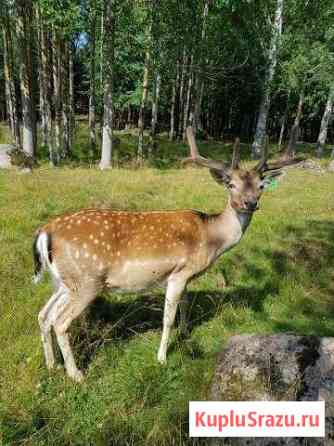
330	166
5	160
312	165
278	367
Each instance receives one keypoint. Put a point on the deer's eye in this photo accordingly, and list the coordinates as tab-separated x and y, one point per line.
261	186
231	186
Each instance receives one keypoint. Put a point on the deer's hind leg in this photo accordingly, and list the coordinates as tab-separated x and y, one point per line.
45	322
63	317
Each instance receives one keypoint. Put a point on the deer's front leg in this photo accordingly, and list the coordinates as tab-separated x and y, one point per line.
174	292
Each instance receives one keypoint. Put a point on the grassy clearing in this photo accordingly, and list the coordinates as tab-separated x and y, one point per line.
280	279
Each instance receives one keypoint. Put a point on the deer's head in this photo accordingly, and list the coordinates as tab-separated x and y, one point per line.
245	186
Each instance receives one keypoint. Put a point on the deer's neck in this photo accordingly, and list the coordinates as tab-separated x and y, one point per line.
226	229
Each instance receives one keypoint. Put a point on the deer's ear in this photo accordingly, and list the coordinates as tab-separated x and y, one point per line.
220	176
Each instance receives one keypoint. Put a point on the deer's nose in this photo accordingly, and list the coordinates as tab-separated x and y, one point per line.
251	204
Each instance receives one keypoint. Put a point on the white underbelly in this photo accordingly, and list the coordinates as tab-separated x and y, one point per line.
136	275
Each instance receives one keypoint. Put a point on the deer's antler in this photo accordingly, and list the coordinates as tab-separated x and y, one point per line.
197	158
236	154
263	165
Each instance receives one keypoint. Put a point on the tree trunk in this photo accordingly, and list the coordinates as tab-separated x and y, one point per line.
155	105
326	117
24	21
92	99
57	92
173	103
199	84
65	62
187	106
141	119
9	81
270	71
182	90
283	123
107	132
45	86
71	93
129	117
295	128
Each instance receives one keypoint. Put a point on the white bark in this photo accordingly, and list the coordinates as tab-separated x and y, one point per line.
141	119
199	84
326	117
108	112
270	71
28	112
295	128
155	105
173	103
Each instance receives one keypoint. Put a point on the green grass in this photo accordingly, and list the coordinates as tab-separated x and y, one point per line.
280	279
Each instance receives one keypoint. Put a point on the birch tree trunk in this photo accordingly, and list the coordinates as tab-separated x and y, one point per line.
45	86
24	21
71	92
326	117
173	103
187	105
92	99
182	90
141	118
155	105
42	92
283	122
107	131
56	92
9	81
270	71
295	128
199	85
65	62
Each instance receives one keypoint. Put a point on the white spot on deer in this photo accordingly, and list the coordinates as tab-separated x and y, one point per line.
85	245
91	236
101	233
77	254
101	266
118	253
78	222
108	247
96	241
94	257
86	254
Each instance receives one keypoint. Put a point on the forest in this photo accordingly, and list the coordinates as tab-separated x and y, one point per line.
226	67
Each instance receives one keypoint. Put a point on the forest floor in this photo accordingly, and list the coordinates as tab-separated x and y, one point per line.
280	278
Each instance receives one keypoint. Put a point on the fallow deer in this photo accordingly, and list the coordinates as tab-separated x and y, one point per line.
99	249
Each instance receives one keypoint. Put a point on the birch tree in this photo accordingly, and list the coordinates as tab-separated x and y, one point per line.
25	38
8	61
261	126
92	89
141	119
108	77
326	117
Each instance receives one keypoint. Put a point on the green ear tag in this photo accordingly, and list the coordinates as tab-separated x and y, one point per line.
272	185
